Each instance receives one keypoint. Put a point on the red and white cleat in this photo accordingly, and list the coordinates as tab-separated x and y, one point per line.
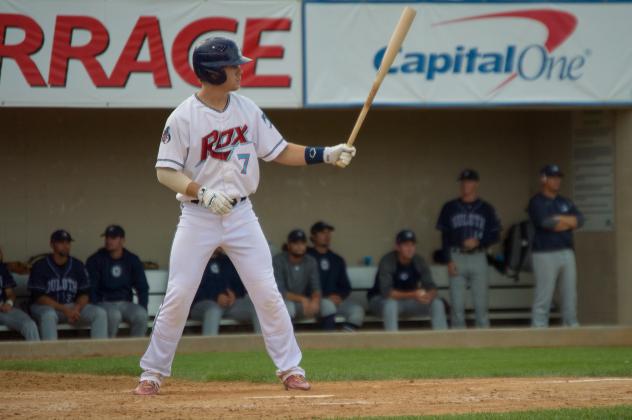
147	388
297	382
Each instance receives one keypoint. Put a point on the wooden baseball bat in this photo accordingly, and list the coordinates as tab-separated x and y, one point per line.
406	19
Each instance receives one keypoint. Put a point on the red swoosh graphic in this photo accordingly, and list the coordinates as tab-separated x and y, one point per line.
559	25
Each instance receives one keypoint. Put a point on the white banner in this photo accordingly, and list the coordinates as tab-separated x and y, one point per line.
471	54
121	53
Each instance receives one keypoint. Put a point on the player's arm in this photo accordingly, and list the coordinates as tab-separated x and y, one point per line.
573	220
47	300
402	294
565	222
9	294
295	297
177	181
9	300
81	301
297	155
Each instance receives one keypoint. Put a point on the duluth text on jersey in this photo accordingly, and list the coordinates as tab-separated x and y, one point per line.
468	220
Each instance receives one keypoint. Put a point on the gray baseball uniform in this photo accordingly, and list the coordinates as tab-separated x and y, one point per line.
302	279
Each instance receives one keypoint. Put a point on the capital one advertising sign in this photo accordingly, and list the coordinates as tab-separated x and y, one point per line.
117	53
462	54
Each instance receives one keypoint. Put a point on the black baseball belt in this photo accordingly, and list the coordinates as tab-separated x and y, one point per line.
468	251
235	200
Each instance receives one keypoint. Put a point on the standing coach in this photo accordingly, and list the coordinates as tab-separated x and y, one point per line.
555	218
468	227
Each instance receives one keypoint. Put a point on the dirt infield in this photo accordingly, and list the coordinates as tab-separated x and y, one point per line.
40	395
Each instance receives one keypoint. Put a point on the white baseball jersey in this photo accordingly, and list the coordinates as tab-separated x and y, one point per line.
219	149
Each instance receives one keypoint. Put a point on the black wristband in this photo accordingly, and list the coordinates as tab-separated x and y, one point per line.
314	155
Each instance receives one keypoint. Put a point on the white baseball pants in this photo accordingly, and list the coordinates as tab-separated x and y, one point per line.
199	233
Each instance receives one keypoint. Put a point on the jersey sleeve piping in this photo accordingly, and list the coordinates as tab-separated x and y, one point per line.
276	151
169	163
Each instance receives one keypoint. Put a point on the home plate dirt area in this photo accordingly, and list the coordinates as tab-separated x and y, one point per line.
41	395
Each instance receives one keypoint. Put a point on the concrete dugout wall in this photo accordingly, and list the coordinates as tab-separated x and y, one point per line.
84	169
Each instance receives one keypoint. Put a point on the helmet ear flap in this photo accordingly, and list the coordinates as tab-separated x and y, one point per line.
216	76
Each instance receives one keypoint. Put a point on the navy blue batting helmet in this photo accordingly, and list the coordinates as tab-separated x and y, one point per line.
212	55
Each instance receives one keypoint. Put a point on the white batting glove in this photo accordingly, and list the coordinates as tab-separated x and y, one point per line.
216	201
339	155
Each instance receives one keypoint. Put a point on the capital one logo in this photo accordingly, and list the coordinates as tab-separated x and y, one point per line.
530	62
221	144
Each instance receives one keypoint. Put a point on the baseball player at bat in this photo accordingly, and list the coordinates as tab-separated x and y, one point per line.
209	155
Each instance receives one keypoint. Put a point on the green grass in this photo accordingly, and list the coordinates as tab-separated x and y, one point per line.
616	412
366	364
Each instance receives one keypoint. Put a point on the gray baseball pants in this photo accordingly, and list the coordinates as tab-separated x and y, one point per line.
210	313
548	268
18	320
48	318
130	312
472	272
391	310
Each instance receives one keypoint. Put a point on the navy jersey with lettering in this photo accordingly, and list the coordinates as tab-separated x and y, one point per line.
62	283
220	274
6	281
333	273
114	280
541	209
459	221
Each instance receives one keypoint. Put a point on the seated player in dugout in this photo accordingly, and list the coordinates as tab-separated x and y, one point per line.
296	274
222	294
404	286
10	316
334	281
115	273
60	292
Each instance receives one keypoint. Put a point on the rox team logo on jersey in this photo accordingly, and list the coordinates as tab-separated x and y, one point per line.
529	63
220	145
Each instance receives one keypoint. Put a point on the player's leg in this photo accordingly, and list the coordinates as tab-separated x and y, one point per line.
114	316
352	312
391	309
97	318
479	284
458	288
248	249
436	310
376	303
256	326
545	272
243	311
18	320
328	314
438	317
568	288
210	314
292	308
136	316
198	234
47	319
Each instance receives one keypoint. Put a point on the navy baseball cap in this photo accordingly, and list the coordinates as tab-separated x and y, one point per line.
60	235
114	231
297	235
468	175
320	226
405	236
551	170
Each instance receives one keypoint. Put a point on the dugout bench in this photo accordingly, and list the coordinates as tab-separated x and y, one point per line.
509	300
